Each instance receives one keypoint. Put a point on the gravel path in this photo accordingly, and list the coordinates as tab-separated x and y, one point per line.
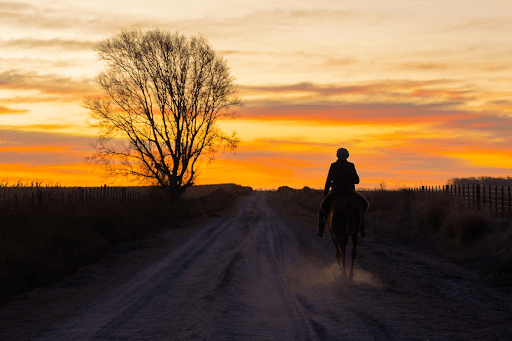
259	276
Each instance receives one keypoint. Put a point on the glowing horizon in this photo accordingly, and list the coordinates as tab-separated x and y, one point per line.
419	92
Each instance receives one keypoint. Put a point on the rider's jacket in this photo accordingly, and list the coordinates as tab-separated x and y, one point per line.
342	177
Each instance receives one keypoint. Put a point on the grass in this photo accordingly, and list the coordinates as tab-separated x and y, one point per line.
443	226
41	243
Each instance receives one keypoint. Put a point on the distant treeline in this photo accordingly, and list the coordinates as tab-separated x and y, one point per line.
482	180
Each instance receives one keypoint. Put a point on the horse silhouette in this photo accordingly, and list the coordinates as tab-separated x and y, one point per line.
344	220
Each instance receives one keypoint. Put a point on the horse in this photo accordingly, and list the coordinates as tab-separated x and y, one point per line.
344	220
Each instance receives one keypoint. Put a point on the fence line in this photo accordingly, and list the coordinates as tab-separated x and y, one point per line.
32	198
493	199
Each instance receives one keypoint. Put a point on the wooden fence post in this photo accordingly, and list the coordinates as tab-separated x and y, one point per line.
478	197
496	200
80	195
490	200
508	187
473	196
509	202
503	201
483	195
103	194
123	196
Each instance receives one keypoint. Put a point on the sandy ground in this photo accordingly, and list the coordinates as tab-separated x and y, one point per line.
260	276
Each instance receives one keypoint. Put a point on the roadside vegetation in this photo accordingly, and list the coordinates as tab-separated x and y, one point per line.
40	243
435	225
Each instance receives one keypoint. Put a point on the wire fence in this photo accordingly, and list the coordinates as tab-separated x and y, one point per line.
22	199
493	199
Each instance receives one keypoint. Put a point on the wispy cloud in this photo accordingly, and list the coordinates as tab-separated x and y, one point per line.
399	99
495	24
390	87
54	85
23	138
50	44
7	110
72	17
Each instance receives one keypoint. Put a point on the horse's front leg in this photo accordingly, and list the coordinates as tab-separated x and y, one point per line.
353	254
338	256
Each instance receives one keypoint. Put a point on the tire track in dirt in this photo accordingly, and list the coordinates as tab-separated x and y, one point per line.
123	303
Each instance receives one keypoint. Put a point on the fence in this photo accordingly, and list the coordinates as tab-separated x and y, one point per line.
13	199
494	199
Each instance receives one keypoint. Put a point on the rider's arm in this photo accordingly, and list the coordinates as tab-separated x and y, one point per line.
355	177
328	183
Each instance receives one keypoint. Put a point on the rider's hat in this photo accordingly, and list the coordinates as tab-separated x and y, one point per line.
342	153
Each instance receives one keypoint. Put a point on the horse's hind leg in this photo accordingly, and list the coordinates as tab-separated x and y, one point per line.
338	253
338	257
353	253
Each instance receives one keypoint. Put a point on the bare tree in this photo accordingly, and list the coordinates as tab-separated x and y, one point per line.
165	93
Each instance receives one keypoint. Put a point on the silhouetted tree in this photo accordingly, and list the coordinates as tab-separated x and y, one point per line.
165	93
483	180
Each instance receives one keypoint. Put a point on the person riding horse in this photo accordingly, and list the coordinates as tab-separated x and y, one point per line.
342	178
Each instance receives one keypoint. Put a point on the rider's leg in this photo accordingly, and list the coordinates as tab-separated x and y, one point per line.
322	214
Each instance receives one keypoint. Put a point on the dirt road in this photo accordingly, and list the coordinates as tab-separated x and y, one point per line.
258	276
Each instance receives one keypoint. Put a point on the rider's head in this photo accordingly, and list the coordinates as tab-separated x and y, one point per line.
342	153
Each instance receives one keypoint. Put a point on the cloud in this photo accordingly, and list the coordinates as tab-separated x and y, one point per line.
46	127
402	87
6	110
258	25
498	125
9	7
503	24
66	45
58	87
393	101
414	66
31	16
25	138
339	62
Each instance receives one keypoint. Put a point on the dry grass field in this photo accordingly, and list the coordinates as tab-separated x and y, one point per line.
41	241
435	225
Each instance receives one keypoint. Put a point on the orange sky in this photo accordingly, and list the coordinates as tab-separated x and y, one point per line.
419	92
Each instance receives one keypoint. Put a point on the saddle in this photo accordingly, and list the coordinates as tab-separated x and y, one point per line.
325	206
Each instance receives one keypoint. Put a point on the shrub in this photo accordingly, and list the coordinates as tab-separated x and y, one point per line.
466	226
433	213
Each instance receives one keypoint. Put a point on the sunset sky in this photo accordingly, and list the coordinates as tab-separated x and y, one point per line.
418	91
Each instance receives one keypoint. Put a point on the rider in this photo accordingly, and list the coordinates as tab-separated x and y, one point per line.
342	178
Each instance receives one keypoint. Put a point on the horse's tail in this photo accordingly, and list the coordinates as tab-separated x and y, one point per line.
351	219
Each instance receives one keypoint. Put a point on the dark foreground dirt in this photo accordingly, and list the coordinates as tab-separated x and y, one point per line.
257	276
